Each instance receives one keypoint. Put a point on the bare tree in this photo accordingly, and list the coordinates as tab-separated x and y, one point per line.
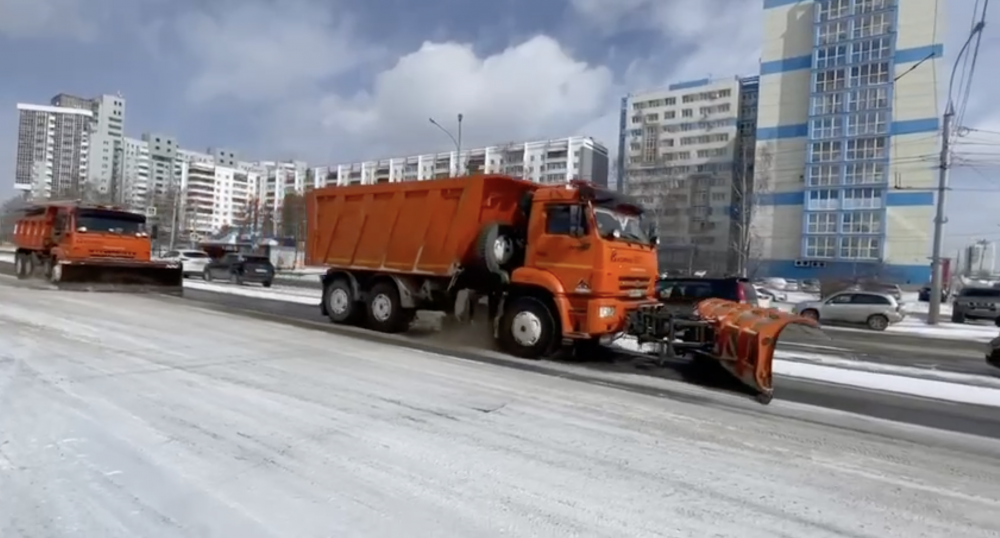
293	215
754	169
10	210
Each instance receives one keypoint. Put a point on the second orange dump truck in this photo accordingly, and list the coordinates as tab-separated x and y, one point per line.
573	264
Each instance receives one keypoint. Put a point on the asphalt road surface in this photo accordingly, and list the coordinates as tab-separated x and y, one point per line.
947	355
129	415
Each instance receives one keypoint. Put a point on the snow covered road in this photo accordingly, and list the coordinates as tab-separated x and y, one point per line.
131	416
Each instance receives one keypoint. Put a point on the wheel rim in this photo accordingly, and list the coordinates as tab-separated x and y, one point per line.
526	328
381	307
339	301
502	249
19	265
877	323
56	273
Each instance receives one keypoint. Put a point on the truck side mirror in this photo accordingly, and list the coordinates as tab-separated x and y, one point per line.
575	221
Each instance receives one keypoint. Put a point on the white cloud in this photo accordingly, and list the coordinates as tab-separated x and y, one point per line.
48	19
261	52
533	89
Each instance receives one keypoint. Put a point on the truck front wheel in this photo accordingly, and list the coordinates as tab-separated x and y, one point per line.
527	328
340	304
23	265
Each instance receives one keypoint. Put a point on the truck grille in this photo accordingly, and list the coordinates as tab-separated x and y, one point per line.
627	283
112	254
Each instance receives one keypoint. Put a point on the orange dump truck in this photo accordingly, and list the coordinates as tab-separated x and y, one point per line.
561	265
77	245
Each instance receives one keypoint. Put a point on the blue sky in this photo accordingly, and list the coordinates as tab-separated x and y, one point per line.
345	80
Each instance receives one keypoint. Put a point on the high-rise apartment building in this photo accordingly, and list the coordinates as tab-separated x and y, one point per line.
848	117
135	170
687	154
107	138
544	161
53	149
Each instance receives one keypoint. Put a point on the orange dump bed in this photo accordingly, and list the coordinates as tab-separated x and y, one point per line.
424	227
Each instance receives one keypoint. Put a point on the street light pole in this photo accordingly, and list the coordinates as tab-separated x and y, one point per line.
456	141
934	309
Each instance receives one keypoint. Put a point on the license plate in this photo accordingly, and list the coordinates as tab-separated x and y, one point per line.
636	293
261	270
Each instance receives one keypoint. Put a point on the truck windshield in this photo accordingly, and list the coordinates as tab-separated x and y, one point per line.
629	226
105	221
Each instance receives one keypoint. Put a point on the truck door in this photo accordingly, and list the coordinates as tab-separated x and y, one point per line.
564	247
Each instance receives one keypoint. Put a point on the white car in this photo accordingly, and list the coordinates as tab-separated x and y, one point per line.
771	294
193	262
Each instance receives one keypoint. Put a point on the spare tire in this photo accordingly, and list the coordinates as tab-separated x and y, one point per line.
496	248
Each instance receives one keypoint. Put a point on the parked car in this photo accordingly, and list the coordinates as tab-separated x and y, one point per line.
924	295
241	269
882	287
809	285
192	262
875	310
771	294
791	284
690	290
993	352
973	302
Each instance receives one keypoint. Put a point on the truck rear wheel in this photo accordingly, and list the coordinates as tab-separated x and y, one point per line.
496	247
385	310
527	328
23	266
340	304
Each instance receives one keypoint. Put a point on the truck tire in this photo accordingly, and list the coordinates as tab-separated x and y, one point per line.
23	265
496	248
527	328
340	304
385	310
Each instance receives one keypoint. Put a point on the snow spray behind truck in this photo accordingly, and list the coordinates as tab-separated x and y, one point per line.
572	264
86	246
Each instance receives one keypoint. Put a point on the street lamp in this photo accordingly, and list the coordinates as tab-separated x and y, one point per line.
460	168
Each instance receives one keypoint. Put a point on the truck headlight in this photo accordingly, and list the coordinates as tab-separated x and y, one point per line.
606	312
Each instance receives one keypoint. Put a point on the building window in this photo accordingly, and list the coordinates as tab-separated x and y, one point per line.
829	127
864	198
862	222
821	247
821	223
829	151
868	123
870	50
866	148
870	74
823	200
834	9
832	80
873	25
861	248
868	99
867	6
864	173
833	32
824	175
831	103
831	56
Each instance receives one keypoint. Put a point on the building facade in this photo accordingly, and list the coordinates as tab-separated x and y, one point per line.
545	161
687	155
848	123
107	137
214	197
53	150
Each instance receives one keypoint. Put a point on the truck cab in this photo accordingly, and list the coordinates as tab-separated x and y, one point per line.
595	251
83	232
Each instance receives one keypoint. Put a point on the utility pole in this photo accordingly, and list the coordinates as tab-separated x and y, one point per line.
461	163
934	312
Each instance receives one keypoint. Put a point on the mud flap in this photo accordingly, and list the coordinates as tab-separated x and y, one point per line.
126	276
745	338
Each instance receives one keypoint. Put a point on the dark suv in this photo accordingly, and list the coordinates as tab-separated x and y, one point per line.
973	303
241	268
684	291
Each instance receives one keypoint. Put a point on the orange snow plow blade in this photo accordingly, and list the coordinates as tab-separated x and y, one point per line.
745	337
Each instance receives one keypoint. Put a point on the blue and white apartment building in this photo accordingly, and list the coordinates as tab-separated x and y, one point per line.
848	137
